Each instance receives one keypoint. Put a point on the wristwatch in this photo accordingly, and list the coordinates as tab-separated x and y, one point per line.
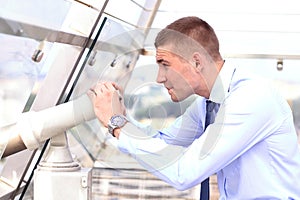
116	121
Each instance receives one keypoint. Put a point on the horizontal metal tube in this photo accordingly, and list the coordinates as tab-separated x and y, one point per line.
33	128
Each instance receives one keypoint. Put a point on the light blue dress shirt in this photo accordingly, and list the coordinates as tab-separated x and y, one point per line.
252	145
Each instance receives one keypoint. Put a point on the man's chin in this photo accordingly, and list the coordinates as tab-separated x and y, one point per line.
177	99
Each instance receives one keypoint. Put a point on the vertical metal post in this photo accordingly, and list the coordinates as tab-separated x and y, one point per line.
58	176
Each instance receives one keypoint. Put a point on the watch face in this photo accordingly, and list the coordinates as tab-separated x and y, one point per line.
118	120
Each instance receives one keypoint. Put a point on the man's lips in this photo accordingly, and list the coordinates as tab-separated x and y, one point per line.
169	88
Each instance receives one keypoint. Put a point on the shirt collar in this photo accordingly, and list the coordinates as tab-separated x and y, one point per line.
221	86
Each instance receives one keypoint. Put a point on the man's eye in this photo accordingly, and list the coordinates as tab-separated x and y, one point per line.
165	65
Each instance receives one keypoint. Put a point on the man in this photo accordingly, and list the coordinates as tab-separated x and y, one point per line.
252	145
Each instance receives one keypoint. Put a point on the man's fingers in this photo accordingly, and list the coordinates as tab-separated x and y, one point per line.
93	91
105	87
91	94
115	85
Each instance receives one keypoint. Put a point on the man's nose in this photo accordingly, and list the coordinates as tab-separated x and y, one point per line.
161	77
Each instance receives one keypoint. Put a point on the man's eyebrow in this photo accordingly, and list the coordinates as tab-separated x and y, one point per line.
161	60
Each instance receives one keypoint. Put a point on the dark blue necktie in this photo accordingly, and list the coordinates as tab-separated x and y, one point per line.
211	110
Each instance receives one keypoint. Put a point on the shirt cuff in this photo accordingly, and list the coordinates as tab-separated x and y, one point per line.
126	138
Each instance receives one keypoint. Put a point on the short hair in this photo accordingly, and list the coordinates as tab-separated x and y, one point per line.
197	30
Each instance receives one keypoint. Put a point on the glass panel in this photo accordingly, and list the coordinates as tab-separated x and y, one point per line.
112	58
22	59
24	55
18	74
26	58
37	12
125	10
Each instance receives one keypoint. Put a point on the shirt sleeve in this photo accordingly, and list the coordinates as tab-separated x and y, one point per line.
243	120
186	128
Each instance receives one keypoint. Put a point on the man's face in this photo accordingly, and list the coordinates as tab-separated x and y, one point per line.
176	74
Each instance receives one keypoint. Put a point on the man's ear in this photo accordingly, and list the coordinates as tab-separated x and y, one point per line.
197	59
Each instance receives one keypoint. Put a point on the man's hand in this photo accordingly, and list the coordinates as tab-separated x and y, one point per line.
107	101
